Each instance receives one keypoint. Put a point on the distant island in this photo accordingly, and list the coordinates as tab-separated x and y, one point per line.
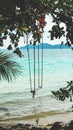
46	46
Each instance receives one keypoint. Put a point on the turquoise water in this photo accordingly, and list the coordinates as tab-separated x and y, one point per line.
15	98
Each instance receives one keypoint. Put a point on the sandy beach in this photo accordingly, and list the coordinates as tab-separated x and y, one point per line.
49	119
43	121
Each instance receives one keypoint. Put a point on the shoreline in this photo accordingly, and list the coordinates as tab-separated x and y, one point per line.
45	120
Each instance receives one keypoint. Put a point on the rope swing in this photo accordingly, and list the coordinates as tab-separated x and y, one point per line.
32	89
42	62
39	68
29	63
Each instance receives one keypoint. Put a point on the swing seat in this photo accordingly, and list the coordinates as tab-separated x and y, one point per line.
32	91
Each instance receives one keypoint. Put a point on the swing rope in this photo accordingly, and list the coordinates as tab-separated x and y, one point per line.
29	63
38	67
33	92
42	62
40	81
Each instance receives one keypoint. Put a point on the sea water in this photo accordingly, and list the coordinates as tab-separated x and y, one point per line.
16	101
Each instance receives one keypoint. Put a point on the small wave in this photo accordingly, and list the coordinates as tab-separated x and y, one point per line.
33	116
3	109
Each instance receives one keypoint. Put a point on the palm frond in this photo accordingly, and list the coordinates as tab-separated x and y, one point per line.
9	69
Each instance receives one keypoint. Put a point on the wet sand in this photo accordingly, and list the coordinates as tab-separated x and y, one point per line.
48	119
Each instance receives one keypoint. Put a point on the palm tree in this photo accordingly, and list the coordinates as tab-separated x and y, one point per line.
9	69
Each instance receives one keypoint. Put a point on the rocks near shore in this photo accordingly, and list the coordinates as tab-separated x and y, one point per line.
55	126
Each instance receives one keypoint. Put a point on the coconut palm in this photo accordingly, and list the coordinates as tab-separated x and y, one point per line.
9	69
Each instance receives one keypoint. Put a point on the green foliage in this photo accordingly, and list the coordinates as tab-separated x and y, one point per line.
63	93
63	13
9	69
18	17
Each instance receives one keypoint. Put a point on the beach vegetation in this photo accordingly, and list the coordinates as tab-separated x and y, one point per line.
9	69
65	92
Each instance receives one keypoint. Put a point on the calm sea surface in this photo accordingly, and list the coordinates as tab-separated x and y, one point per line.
15	97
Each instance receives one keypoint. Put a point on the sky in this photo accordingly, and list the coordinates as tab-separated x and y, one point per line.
46	35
